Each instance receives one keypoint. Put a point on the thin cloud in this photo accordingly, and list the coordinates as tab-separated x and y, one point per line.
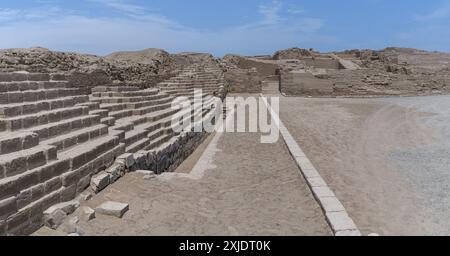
271	13
439	13
121	6
138	28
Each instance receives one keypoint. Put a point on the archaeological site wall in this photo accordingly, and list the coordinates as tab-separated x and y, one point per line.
57	142
304	83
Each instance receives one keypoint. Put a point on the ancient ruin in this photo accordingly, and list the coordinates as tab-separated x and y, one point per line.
73	125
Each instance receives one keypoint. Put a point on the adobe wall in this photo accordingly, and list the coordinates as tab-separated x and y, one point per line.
326	63
303	83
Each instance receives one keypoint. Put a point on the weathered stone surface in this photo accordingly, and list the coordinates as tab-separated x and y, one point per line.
8	207
126	159
115	172
2	228
86	213
100	182
54	219
67	208
86	196
340	221
112	209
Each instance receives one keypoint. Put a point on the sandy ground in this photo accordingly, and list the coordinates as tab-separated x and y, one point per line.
367	151
248	189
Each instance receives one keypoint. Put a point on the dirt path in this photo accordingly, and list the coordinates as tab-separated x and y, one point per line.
351	141
250	189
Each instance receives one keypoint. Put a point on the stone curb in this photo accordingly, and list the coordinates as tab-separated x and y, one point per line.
335	213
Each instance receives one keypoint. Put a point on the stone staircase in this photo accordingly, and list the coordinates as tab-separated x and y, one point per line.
56	142
52	140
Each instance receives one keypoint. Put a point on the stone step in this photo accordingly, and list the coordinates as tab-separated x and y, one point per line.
141	111
138	145
134	135
115	89
159	141
48	185
149	103
36	95
21	161
152	126
24	76
122	126
91	105
26	108
16	141
109	121
151	117
142	93
27	86
118	133
57	128
146	110
82	154
103	113
115	100
154	135
134	105
77	137
41	118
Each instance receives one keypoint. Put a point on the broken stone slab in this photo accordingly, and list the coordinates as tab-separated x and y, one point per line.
87	214
126	159
54	219
86	196
115	172
100	182
70	226
115	209
67	207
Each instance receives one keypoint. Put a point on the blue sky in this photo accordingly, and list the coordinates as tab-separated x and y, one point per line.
245	27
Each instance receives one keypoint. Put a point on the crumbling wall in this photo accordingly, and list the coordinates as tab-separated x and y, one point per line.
304	83
326	63
243	81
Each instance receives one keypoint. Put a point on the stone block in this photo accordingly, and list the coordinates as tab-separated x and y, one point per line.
86	214
52	185
115	209
11	145
323	192
36	160
66	207
340	221
8	207
100	182
127	159
54	219
15	166
317	182
68	193
83	183
115	172
331	204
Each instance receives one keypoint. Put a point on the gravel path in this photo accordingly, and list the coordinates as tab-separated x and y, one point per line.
386	159
250	189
